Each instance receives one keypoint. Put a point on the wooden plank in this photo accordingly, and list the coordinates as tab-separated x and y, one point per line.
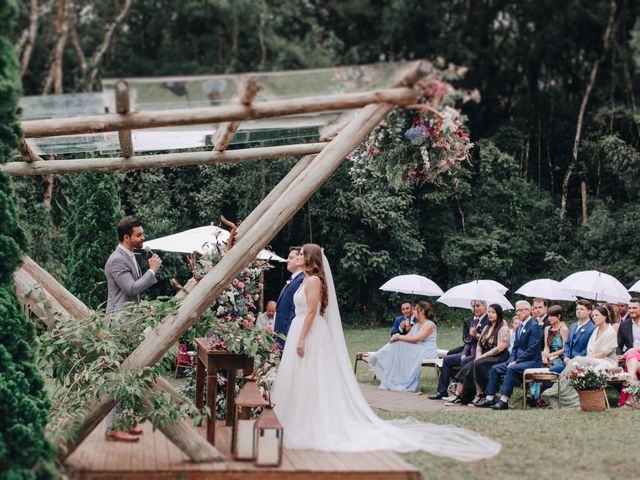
228	113
158	161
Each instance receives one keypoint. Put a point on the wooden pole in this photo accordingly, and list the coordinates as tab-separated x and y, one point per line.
266	203
27	153
169	330
158	161
64	297
37	299
247	91
228	113
123	107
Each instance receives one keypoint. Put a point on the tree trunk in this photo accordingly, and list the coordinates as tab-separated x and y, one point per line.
606	39
31	37
585	213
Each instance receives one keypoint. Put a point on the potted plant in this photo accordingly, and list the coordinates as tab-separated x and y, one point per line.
589	381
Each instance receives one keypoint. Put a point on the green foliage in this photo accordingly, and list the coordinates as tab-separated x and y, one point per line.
93	211
85	359
24	451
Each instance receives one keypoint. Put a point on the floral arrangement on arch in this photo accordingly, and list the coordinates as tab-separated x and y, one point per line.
229	324
420	142
588	377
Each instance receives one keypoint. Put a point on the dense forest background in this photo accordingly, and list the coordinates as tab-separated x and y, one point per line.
551	187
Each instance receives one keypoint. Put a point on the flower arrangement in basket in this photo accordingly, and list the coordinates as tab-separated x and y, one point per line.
589	380
632	389
420	142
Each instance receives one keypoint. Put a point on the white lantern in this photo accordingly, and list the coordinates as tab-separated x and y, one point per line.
268	439
244	427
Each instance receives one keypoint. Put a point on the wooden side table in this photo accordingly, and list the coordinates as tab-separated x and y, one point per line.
212	361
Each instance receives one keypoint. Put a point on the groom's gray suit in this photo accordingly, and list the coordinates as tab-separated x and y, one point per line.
125	281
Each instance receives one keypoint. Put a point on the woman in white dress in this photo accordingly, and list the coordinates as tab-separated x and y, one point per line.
317	397
601	352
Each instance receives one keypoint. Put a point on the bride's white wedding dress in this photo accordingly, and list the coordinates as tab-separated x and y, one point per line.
321	406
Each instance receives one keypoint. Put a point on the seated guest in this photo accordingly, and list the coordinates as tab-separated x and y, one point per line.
515	322
492	348
526	354
601	351
398	363
472	327
539	309
623	311
579	334
404	322
613	315
555	336
267	319
628	339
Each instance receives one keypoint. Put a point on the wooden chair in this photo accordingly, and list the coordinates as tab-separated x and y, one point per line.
531	375
184	359
618	376
426	362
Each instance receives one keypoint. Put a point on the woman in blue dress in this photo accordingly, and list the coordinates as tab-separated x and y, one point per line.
398	363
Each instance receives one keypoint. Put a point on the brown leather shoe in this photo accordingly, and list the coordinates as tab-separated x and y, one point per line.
135	431
116	436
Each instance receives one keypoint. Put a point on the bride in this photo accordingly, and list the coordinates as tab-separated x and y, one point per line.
317	397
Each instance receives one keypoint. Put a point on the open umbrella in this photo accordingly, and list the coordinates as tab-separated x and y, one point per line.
202	239
495	285
413	285
635	287
596	285
545	288
461	295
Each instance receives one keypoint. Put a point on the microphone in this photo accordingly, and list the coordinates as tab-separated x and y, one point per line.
148	252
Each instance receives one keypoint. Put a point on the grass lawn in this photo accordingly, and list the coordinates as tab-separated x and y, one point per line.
558	444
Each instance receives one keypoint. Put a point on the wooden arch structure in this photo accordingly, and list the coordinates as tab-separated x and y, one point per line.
319	161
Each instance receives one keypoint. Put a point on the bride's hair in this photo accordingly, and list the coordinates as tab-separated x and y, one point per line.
313	266
427	309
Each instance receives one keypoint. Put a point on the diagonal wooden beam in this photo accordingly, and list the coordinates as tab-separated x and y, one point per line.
247	91
169	330
123	107
228	113
27	153
19	169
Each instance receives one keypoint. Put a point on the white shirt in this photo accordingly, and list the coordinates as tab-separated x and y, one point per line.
635	329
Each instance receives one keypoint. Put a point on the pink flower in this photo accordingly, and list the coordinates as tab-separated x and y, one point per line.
236	283
245	323
256	297
240	285
248	304
260	286
246	295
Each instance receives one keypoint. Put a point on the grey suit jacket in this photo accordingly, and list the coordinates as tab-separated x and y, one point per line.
124	282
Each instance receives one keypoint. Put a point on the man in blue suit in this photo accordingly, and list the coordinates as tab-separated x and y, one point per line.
285	309
526	353
404	322
579	335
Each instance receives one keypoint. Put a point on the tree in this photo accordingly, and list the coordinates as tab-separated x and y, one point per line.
24	451
93	211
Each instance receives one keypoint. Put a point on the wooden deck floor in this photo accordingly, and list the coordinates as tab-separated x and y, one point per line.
155	457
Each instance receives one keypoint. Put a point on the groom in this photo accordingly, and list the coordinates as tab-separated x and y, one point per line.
285	309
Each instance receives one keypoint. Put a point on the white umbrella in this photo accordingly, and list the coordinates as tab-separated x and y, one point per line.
413	285
635	287
545	288
495	285
461	295
596	285
202	239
